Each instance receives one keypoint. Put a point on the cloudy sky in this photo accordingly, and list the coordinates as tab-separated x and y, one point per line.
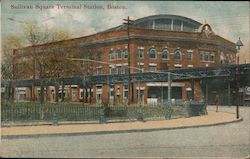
228	19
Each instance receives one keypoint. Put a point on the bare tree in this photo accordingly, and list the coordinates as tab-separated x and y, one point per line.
38	35
10	42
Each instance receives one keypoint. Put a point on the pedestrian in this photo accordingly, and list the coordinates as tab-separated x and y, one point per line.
217	101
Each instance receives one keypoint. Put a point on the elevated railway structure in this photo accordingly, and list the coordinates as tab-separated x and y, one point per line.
225	80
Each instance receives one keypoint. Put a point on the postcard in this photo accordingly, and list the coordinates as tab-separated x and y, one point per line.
125	79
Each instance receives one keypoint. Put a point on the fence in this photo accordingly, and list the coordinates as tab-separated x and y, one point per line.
60	112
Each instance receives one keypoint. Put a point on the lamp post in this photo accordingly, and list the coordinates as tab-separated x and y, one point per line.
239	44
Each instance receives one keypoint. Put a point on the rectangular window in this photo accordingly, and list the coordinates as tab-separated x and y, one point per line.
177	25
201	56
119	54
98	71
111	93
189	55
126	69
206	56
152	68
111	70
141	53
98	56
98	89
112	55
119	69
177	67
212	56
74	92
125	53
125	92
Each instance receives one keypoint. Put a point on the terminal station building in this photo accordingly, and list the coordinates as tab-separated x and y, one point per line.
158	43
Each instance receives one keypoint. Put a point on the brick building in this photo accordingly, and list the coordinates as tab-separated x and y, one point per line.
158	43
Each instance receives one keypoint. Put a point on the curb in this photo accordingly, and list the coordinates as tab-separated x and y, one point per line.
116	131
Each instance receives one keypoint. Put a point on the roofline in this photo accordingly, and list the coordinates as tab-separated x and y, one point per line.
223	42
114	29
167	16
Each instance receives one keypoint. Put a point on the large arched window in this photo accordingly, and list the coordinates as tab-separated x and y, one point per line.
152	53
165	54
177	55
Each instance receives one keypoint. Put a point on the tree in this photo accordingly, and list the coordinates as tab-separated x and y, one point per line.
33	33
57	67
37	35
10	42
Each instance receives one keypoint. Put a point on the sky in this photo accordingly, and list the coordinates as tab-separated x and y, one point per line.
228	19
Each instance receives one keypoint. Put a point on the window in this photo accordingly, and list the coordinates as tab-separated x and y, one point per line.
98	94
141	53
111	70
98	71
74	92
189	55
177	66
126	53
126	69
177	25
152	68
125	92
140	67
165	54
206	56
177	55
201	55
111	90
119	54
119	69
98	56
98	88
152	53
212	56
112	55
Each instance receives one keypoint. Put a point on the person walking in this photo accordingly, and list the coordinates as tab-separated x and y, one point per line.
217	101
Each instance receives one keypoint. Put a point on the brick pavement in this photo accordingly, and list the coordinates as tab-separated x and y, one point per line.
213	118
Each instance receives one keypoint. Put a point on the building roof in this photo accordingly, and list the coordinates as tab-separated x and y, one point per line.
164	22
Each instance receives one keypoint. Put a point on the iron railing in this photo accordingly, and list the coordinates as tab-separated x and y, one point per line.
24	112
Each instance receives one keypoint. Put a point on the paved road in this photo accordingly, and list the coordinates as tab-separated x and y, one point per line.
229	141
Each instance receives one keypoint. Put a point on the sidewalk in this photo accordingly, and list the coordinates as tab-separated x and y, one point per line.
213	118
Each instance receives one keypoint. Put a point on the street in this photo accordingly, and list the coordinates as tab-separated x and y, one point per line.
228	141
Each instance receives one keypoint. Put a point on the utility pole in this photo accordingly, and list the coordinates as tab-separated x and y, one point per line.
169	89
128	22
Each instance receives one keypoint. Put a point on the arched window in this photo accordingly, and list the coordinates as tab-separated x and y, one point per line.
152	53
177	55
165	54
